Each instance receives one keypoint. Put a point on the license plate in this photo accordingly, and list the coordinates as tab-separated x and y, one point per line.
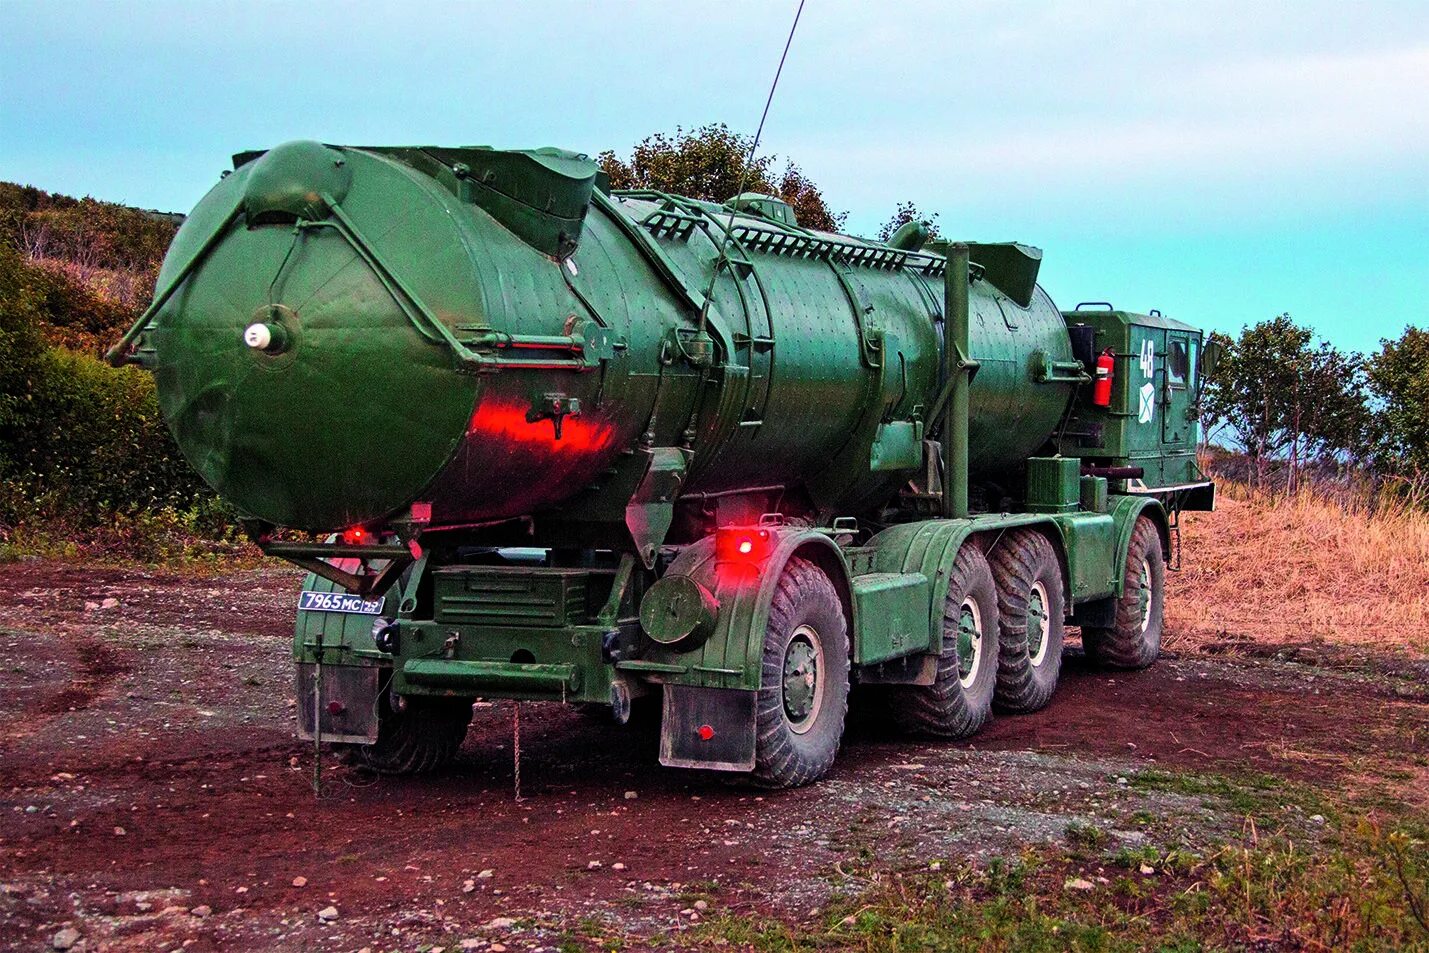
338	602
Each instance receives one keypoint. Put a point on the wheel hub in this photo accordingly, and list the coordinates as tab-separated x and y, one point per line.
969	642
1143	596
803	667
1038	624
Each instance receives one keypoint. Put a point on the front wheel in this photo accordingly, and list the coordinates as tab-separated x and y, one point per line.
1134	639
803	693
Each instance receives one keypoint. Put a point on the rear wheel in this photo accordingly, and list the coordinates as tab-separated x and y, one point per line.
803	694
1134	640
423	737
1031	606
959	701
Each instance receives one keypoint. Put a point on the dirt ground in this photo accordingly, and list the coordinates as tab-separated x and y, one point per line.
153	795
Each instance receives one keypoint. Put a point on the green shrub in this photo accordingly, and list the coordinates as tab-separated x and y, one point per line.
87	465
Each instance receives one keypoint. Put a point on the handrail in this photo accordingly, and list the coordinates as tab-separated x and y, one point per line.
417	313
119	354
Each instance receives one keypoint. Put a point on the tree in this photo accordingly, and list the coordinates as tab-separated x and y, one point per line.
1284	398
713	163
1399	381
904	213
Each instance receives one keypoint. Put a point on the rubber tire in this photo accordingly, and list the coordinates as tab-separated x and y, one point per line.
1023	558
784	758
423	738
946	709
1125	645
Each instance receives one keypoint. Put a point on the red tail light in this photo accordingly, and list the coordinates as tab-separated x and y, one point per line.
742	544
355	536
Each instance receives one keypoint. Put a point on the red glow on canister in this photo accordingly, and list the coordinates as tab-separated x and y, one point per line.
508	423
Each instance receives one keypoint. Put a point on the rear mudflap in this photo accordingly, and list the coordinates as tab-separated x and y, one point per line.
709	728
342	699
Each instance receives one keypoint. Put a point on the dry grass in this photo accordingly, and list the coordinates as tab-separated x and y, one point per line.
1346	568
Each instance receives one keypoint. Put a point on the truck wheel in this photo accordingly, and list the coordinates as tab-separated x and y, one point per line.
959	701
1030	610
803	694
423	738
1134	641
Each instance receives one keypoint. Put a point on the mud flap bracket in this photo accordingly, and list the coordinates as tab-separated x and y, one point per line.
709	728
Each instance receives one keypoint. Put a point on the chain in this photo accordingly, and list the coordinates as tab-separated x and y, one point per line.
516	746
317	720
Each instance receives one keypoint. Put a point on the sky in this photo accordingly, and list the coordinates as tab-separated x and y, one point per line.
1221	161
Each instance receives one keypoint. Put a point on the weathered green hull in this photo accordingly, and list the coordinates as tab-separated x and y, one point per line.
365	411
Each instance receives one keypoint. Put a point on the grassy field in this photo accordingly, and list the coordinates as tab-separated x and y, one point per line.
1340	569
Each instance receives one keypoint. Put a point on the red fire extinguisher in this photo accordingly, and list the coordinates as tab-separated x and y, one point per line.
1101	385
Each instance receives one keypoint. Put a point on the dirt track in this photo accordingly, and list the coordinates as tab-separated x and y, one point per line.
152	794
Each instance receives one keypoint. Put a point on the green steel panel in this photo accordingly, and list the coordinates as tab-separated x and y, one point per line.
1090	541
1053	484
892	613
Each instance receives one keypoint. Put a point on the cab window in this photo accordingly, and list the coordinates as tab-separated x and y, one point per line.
1178	363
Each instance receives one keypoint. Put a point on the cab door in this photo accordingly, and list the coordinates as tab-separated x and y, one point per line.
1178	389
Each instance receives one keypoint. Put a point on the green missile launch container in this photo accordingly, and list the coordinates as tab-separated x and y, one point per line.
583	445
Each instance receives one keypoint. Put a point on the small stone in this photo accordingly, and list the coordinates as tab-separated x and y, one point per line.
201	911
119	832
1317	818
143	906
486	874
467	886
498	948
1148	869
64	939
501	923
327	914
702	905
109	603
472	943
1077	883
617	866
594	865
631	795
89	607
300	881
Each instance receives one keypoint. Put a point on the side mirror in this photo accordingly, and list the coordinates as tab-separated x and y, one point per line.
1212	353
